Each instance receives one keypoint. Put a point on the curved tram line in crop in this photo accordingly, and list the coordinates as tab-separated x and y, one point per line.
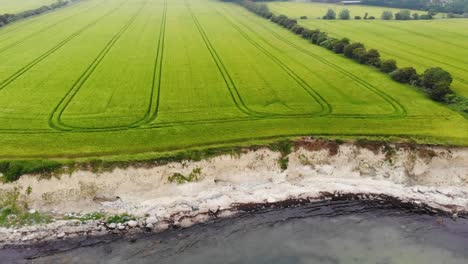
55	118
399	110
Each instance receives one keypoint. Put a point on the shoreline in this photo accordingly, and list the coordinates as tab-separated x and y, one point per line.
31	251
428	178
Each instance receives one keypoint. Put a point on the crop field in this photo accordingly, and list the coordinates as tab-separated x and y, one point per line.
120	77
16	6
421	43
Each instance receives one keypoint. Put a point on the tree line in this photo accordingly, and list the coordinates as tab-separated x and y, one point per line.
9	18
386	15
434	81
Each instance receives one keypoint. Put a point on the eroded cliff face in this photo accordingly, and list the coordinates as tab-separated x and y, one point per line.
433	175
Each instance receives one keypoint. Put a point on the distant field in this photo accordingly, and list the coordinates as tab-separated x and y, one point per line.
119	77
421	44
16	6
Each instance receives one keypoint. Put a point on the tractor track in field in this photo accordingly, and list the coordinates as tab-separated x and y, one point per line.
30	65
235	95
55	121
331	114
153	108
155	94
399	110
326	107
44	29
200	122
151	113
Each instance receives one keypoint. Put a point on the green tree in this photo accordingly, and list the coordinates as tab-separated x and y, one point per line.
403	15
344	14
437	82
330	14
387	15
348	49
405	75
340	45
415	16
372	57
388	66
359	54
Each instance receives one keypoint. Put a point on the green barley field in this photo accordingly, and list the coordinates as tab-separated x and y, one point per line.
420	43
127	77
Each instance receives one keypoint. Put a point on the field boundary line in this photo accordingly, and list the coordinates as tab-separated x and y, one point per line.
56	115
28	66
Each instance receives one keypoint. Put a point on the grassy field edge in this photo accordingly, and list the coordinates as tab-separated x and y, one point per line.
12	169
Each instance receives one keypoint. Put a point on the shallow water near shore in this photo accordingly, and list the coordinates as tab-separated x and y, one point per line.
324	232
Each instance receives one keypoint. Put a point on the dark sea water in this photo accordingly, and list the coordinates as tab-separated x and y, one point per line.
336	232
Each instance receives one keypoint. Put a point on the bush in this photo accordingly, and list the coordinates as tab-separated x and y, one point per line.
303	17
387	15
403	15
315	35
372	57
372	17
437	82
12	170
339	46
330	14
359	54
329	43
404	75
344	14
297	29
439	93
348	49
365	15
357	17
388	66
307	33
415	16
322	36
425	16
